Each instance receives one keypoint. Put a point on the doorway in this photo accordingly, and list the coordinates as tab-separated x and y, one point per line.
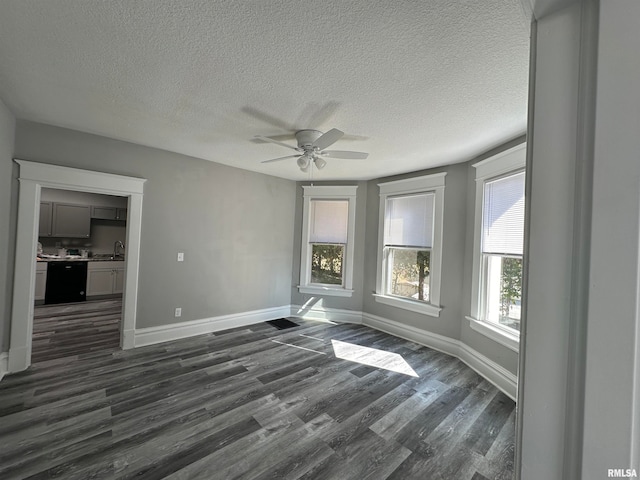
33	177
79	274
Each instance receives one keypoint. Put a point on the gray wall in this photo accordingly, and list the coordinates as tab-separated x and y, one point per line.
8	196
104	234
234	226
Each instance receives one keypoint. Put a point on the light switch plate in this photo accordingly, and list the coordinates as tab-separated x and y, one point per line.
181	256
178	311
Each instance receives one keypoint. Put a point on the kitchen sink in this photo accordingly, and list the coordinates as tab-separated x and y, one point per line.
107	256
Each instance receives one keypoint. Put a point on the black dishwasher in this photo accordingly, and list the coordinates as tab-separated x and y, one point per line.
66	282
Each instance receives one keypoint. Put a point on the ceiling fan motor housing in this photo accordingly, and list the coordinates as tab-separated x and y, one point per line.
306	138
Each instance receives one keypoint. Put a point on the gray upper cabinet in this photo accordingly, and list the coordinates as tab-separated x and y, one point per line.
46	216
73	221
108	213
103	213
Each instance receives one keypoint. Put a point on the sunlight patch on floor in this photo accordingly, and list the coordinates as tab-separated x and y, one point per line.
372	357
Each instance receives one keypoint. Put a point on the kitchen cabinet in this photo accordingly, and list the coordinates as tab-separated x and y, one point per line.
71	221
105	278
41	280
108	213
46	217
64	220
103	213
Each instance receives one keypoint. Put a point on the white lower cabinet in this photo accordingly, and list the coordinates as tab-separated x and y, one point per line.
41	280
105	278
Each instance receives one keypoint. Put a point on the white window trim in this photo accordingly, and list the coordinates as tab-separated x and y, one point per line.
424	184
509	161
508	338
328	192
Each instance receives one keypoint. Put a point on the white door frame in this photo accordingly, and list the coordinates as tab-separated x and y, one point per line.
33	177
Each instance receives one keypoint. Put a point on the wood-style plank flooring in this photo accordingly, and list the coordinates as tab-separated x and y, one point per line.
75	328
257	403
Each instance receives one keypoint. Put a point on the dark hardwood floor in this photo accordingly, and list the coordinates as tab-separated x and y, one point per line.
257	403
75	328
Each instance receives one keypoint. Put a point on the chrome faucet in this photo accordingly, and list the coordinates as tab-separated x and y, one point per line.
117	244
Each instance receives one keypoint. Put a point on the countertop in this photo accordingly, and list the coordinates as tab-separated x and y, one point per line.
78	258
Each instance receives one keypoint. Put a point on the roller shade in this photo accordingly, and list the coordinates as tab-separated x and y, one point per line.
329	220
409	221
503	215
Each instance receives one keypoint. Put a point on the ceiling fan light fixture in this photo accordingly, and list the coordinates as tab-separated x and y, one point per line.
311	145
320	163
303	162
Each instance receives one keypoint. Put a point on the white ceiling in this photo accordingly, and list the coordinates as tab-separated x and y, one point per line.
415	83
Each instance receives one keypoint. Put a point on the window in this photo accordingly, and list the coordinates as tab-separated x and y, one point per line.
327	240
502	236
410	243
498	246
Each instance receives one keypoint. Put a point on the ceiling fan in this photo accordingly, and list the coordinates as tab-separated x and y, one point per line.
311	148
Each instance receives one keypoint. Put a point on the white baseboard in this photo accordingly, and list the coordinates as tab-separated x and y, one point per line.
175	331
503	379
432	340
326	314
4	364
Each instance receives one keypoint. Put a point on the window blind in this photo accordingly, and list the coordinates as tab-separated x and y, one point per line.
409	221
328	221
503	215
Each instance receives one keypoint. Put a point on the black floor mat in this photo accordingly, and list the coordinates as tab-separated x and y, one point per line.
282	323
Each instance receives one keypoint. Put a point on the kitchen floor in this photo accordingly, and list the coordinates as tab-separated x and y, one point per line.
70	329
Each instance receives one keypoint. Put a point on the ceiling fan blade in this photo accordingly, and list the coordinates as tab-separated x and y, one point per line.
328	138
345	154
267	139
280	158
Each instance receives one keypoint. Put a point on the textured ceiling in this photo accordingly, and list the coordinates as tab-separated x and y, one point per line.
414	83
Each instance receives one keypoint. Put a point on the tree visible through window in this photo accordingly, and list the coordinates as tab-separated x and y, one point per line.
408	238
326	264
511	292
410	272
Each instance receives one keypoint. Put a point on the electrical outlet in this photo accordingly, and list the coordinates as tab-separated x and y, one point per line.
178	311
181	256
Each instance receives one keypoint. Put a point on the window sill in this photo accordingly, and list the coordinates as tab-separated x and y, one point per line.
495	333
320	290
412	305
